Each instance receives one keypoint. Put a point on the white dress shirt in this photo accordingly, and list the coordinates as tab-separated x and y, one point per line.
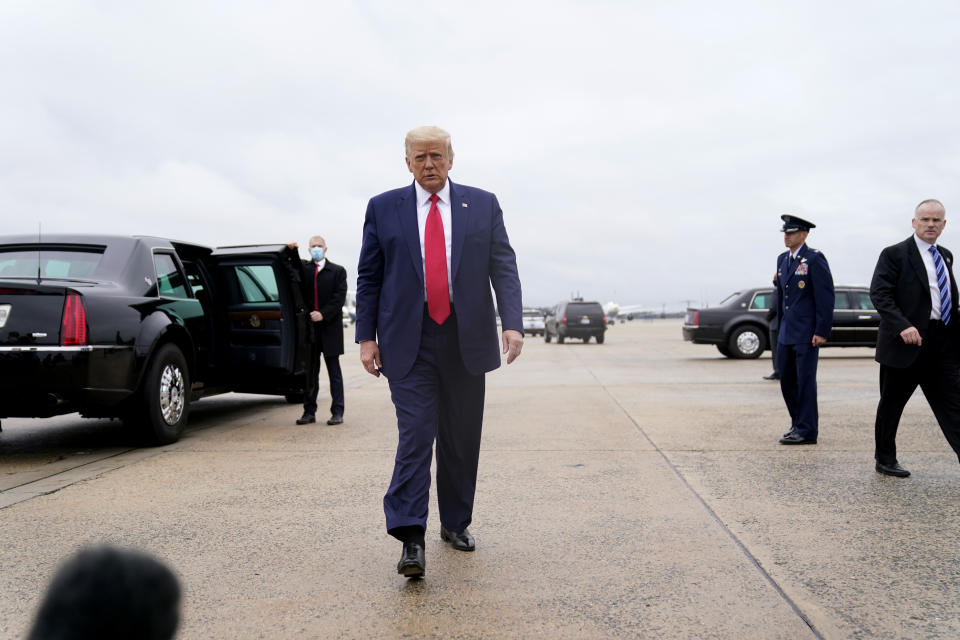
927	257
423	208
319	266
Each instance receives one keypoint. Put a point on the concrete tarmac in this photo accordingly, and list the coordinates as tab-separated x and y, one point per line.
633	489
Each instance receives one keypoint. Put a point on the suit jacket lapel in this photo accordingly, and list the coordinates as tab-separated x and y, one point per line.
459	210
410	228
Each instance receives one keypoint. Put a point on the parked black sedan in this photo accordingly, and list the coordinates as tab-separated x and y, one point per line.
138	327
739	328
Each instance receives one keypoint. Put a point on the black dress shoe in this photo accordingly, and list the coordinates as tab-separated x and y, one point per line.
306	418
892	470
796	438
789	432
462	541
772	376
335	419
412	562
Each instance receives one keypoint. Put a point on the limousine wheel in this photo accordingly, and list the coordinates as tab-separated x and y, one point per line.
747	342
166	396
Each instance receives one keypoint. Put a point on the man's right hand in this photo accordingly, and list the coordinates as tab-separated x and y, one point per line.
910	335
370	357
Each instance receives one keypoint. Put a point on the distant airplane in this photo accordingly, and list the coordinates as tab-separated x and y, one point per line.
627	312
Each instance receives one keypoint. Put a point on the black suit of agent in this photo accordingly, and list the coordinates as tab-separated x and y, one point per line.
325	291
901	292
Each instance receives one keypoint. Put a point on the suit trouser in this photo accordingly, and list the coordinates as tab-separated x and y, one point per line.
937	372
437	400
332	361
798	383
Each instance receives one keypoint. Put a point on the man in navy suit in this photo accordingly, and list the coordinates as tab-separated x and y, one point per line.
426	320
805	302
915	292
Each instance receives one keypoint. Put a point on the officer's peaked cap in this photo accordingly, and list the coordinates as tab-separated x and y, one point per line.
793	223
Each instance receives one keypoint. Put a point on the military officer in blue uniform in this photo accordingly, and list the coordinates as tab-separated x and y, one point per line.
805	302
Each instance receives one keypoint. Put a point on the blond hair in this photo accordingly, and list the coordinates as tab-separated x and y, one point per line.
427	133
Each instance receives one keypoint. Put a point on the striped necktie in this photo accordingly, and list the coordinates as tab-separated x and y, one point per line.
943	284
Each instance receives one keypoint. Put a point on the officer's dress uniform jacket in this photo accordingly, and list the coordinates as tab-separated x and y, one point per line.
805	301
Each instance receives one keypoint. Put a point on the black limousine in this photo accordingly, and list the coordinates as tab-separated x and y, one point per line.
739	328
138	327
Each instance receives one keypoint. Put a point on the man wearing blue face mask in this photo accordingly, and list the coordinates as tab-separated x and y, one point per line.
324	287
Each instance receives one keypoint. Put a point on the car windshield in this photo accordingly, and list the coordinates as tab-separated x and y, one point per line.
59	262
532	314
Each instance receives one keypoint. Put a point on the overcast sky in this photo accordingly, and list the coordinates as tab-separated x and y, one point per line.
642	151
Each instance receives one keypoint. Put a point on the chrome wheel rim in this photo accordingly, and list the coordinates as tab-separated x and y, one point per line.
748	342
171	394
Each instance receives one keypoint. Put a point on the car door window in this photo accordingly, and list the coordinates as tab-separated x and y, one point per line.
862	301
763	300
170	281
258	283
194	277
841	301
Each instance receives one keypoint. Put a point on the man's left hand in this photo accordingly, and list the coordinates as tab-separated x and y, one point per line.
818	340
512	344
316	316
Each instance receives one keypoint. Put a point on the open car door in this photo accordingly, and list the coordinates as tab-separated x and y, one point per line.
262	318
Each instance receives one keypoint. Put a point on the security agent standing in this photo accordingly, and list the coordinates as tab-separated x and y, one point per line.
324	287
915	292
805	318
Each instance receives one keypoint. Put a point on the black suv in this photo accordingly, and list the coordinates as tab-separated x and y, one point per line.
575	319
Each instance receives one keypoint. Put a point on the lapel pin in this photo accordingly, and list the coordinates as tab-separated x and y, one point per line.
464	205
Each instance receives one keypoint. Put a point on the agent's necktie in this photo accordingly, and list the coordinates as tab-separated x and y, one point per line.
435	265
943	283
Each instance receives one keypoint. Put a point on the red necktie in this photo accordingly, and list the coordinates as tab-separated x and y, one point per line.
435	265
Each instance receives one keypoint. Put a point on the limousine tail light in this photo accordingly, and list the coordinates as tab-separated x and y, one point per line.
696	319
73	330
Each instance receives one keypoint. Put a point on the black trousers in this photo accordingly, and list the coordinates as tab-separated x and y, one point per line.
437	400
332	361
937	372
